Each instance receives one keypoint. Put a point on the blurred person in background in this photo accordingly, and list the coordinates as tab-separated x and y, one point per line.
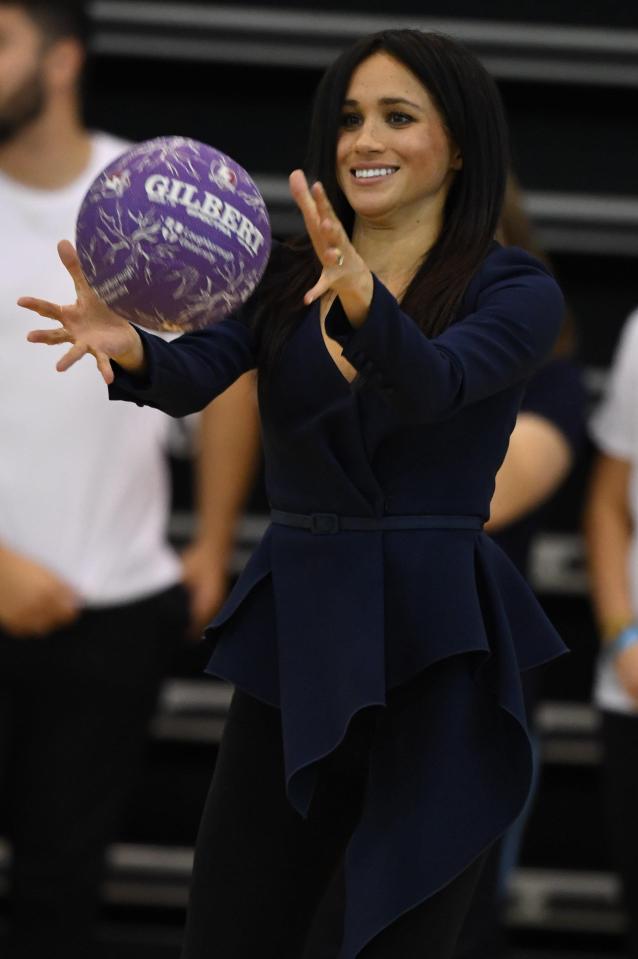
92	599
610	525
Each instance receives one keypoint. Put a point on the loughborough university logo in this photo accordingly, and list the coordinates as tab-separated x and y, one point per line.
223	176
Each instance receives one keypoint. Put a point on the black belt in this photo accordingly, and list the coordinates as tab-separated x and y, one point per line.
332	523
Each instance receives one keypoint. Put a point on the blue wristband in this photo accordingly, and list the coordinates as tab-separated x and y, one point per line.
623	640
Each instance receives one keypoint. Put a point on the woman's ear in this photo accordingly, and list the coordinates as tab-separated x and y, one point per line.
456	163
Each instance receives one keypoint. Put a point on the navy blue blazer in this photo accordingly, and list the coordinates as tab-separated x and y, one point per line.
323	625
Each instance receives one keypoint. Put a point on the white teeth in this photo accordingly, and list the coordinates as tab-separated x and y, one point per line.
377	171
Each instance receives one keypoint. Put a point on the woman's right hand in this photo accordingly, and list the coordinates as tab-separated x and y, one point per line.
89	324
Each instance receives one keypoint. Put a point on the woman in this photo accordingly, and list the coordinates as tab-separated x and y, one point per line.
543	447
376	635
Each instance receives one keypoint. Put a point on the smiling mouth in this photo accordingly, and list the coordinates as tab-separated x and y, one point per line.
370	173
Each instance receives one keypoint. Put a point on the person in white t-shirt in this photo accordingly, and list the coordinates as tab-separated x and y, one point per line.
92	598
611	519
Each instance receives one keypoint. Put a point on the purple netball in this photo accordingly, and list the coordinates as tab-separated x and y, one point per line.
173	235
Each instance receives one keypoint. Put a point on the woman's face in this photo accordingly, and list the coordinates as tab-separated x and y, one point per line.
395	160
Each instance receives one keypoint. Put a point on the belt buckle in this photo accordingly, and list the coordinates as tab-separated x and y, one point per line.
324	523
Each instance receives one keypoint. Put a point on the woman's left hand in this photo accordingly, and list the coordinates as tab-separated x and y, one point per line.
343	269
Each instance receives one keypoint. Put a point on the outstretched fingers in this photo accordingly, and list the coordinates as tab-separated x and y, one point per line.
105	368
42	307
332	228
71	356
71	262
324	206
50	337
321	286
304	200
328	235
335	240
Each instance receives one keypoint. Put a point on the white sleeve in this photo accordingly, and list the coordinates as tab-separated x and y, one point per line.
183	435
614	424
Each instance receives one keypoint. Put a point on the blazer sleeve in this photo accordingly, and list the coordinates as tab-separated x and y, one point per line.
515	321
184	375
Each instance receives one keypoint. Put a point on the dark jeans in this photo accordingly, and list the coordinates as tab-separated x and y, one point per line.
620	740
74	712
261	870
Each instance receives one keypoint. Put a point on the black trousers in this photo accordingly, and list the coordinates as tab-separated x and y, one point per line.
620	765
74	712
260	869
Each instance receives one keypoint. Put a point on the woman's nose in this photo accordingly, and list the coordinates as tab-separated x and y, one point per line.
368	138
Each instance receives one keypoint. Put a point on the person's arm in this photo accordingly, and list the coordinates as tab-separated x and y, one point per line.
517	319
89	325
608	532
513	328
185	375
227	460
538	459
33	599
178	378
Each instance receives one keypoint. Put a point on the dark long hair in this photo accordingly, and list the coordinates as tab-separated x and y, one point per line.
471	110
516	229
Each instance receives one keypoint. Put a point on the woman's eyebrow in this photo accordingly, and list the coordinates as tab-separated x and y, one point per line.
386	101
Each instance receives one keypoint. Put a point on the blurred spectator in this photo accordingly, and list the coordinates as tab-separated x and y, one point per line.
92	598
610	526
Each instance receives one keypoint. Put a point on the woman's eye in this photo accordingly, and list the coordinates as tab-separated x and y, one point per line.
349	120
399	119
